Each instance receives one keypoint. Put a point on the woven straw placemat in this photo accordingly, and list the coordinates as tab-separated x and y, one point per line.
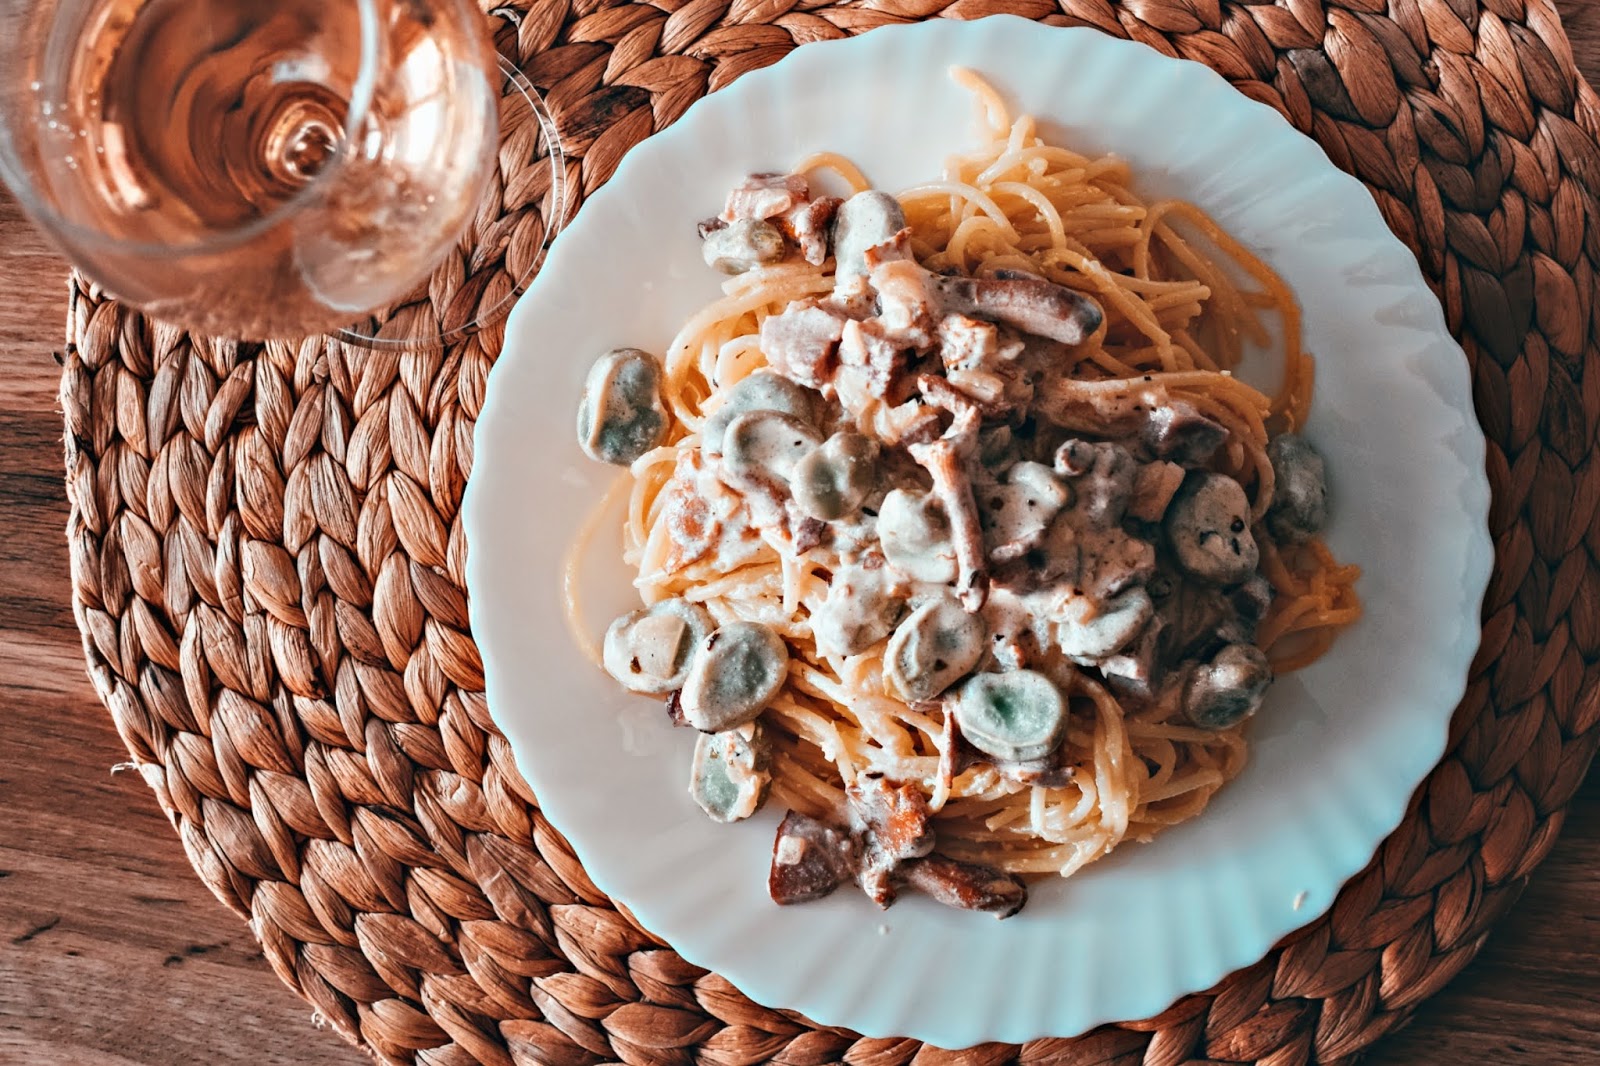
268	564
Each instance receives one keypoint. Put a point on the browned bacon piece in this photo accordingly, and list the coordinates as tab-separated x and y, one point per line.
809	860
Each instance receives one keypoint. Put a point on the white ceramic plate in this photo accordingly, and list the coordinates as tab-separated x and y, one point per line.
1336	752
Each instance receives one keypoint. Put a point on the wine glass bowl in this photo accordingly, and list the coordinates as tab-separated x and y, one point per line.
254	168
523	209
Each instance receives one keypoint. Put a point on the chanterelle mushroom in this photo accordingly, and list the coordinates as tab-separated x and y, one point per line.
1208	526
913	300
1017	716
936	645
729	779
967	885
894	824
736	672
1228	689
1300	491
951	483
808	225
620	416
945	460
1041	308
649	650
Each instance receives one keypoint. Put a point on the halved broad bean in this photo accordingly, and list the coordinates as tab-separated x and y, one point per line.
1300	492
736	672
1118	621
933	648
764	390
1016	716
831	482
621	416
729	779
649	650
1228	689
1208	527
742	245
864	221
762	448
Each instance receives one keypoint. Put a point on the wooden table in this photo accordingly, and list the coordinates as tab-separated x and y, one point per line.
111	952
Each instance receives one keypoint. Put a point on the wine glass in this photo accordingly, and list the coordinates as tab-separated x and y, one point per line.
262	168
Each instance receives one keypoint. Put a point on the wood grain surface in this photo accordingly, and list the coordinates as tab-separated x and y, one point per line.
112	952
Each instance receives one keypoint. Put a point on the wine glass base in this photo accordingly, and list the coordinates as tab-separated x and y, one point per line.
415	322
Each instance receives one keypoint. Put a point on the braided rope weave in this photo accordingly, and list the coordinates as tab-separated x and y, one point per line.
268	563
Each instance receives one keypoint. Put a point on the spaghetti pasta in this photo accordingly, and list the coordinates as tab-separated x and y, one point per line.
1180	301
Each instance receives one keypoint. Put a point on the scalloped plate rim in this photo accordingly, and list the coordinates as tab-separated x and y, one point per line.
570	257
